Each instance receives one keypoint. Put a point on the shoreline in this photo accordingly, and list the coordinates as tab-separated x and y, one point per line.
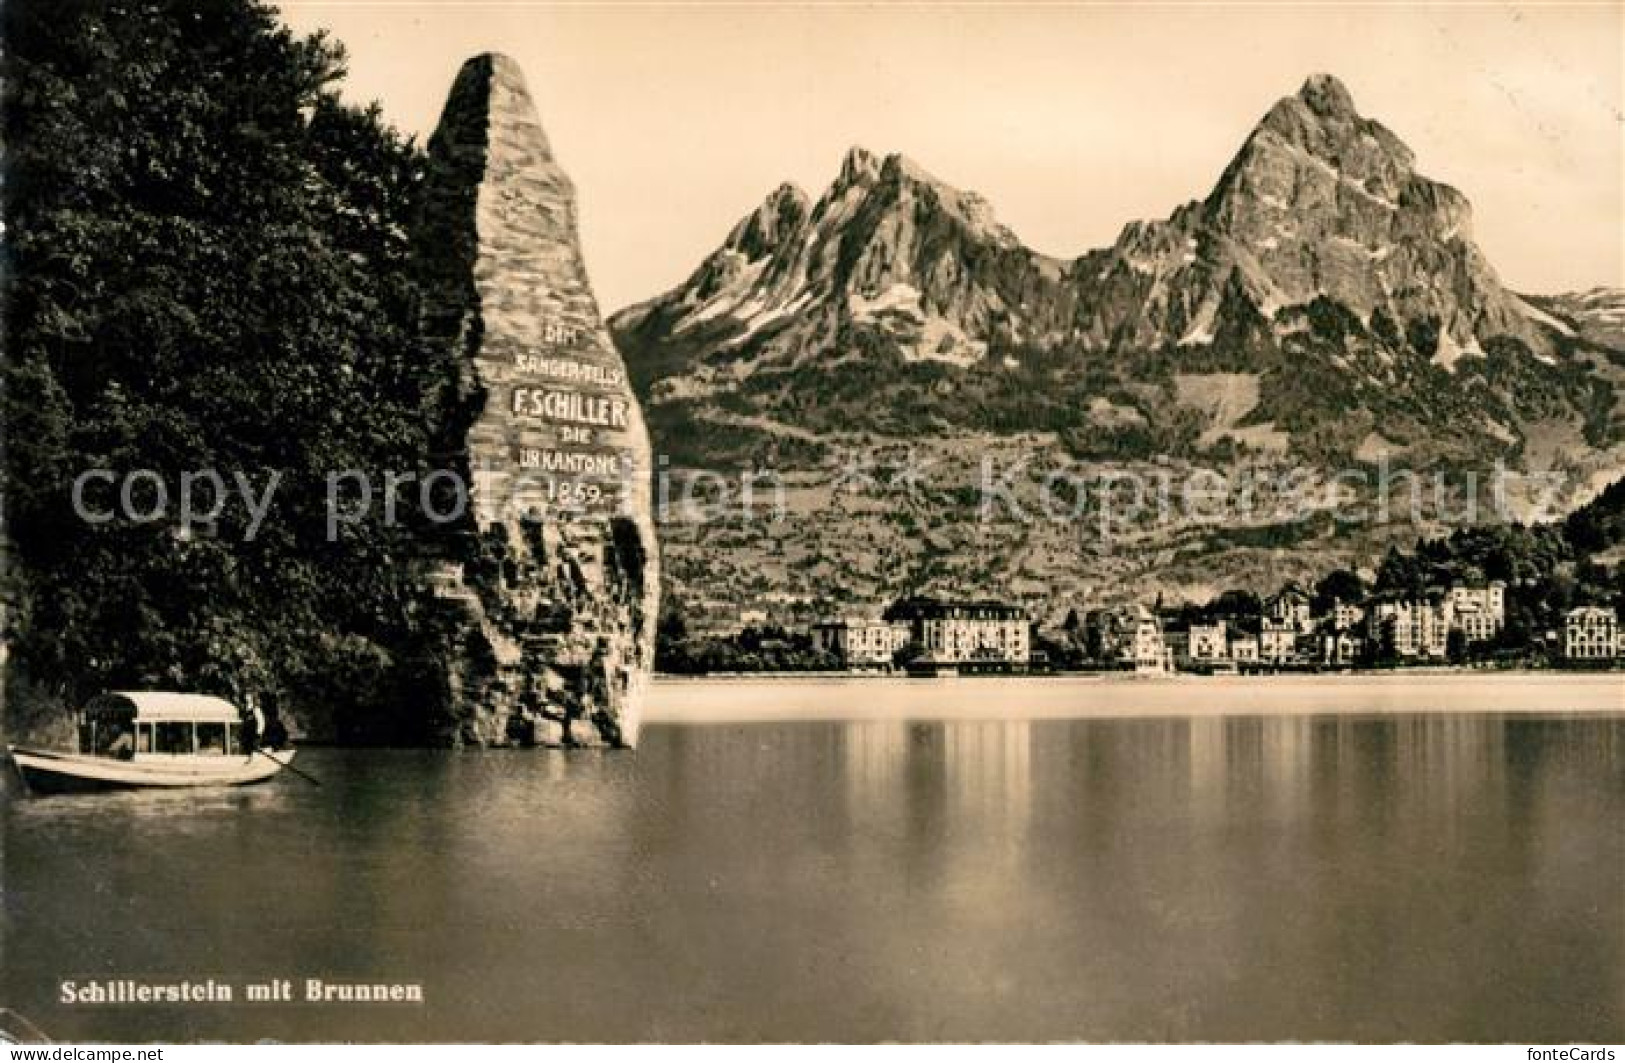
791	698
1136	677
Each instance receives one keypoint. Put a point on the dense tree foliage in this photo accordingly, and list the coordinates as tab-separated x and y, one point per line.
1600	524
766	649
208	270
1339	585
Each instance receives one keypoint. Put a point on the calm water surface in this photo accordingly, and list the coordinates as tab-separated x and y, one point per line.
1406	875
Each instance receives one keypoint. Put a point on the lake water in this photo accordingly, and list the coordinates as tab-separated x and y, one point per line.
905	868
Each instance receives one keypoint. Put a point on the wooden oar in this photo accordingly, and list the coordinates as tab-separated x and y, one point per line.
289	767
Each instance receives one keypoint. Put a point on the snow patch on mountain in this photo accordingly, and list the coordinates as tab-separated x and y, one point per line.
898	298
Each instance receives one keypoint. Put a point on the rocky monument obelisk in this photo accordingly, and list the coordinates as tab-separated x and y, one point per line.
555	575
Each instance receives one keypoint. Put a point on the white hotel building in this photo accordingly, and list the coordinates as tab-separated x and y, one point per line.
860	642
1591	633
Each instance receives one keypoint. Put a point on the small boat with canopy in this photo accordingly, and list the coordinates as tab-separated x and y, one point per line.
137	740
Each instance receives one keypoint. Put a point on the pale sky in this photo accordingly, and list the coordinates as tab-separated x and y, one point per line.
1071	119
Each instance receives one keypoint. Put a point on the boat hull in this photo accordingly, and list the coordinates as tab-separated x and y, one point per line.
45	772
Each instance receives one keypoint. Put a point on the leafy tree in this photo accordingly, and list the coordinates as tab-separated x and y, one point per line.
1456	645
1600	523
1235	603
207	271
1338	585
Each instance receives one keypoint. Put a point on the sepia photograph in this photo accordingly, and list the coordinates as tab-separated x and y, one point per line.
812	523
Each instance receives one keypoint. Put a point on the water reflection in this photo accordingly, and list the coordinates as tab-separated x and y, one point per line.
980	771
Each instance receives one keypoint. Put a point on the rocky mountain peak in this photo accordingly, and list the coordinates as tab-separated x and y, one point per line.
906	186
1324	302
861	166
898	167
1321	124
769	225
1321	201
789	192
1327	97
1319	206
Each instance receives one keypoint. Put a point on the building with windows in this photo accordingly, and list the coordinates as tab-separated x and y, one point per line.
1277	640
1129	637
1198	647
1209	642
1591	633
1345	616
1341	648
1420	626
1478	612
1290	609
1339	638
859	642
1410	627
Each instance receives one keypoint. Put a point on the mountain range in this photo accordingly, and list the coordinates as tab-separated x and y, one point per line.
1325	305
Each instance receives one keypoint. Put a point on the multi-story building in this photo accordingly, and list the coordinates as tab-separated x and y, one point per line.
1148	650
954	632
1338	638
1413	627
1128	637
1290	609
1209	642
858	642
1340	647
1591	633
1345	616
1478	612
1198	647
1244	649
1277	640
1420	626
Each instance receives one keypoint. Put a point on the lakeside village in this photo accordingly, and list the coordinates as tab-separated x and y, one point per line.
1493	596
1293	630
1287	633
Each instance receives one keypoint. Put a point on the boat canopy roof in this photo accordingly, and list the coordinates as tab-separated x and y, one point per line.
156	705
